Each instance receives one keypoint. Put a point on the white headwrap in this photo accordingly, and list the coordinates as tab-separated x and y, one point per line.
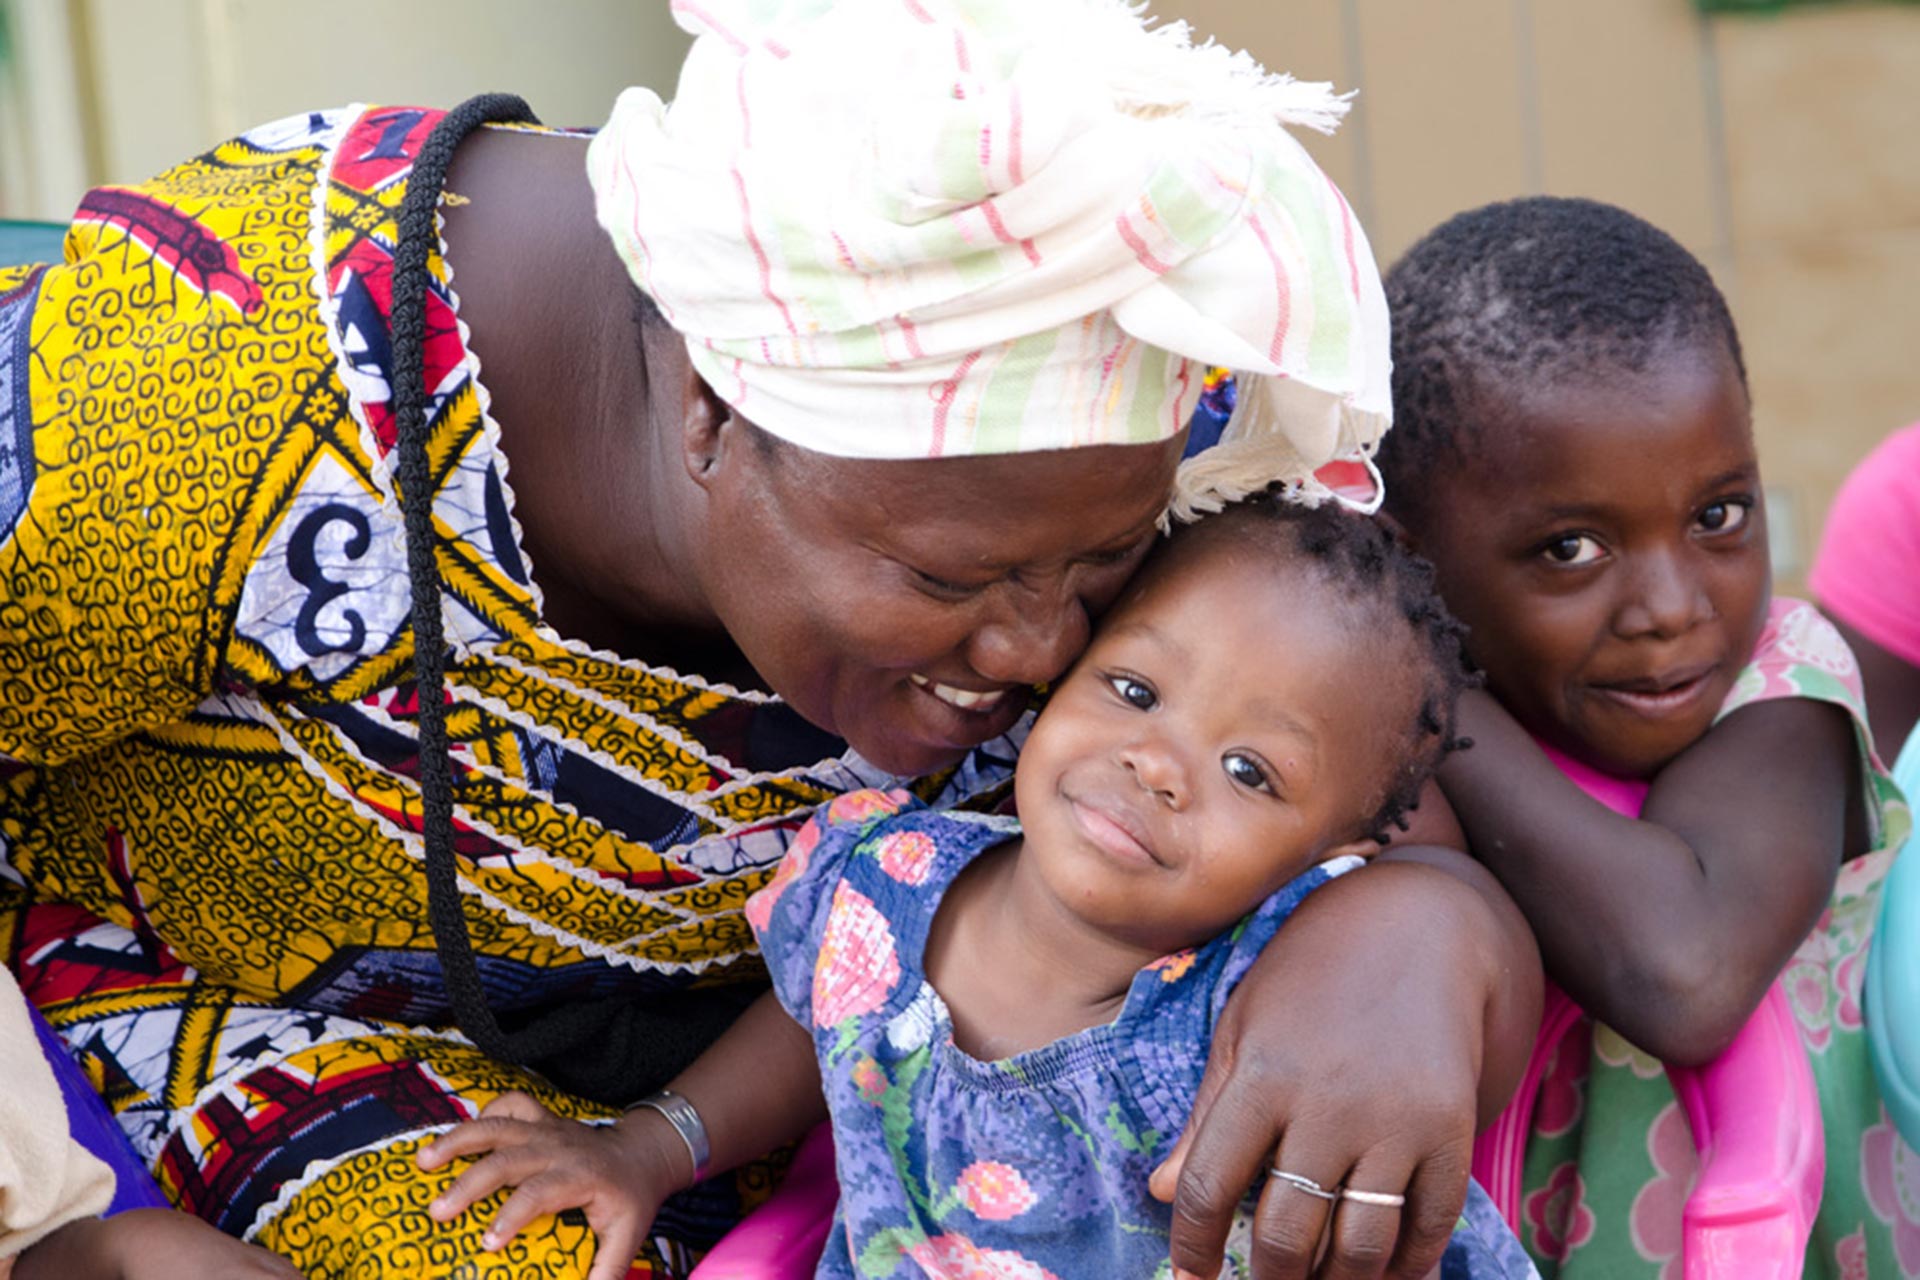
923	228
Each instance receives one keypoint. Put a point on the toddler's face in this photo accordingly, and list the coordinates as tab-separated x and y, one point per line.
1609	552
1228	727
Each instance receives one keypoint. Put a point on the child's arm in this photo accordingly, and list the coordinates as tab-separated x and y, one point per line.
757	1087
1671	927
145	1244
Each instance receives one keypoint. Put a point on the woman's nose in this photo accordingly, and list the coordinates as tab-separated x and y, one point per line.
1033	636
1667	598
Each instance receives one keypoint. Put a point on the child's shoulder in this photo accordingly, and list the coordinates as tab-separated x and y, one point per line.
1799	655
890	842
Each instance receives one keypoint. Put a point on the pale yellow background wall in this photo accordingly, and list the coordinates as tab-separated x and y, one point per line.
1784	151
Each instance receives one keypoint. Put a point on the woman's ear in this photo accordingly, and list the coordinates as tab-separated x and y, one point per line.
706	427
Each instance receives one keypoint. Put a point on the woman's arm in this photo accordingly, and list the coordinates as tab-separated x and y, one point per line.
756	1088
1398	1004
1668	928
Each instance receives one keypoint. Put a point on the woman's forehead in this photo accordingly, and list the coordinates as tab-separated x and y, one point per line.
994	509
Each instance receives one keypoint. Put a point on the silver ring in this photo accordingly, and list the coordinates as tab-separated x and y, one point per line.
1385	1199
1308	1185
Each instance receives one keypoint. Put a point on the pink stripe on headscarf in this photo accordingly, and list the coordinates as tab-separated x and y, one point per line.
1282	291
760	254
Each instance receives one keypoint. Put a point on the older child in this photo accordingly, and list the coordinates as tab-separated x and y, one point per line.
1011	1018
1574	451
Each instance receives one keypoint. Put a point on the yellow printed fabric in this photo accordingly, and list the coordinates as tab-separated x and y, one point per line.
208	810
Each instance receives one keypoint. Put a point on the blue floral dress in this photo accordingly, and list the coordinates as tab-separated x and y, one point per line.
1034	1167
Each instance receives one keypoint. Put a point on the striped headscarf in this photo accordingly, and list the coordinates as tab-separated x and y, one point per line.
926	228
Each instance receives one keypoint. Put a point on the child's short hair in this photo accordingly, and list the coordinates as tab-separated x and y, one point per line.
1390	587
1542	287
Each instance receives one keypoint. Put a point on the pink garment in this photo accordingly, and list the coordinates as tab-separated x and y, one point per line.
1868	571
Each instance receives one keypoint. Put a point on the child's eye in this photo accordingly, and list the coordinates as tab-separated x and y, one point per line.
1573	549
1724	517
1135	693
1245	770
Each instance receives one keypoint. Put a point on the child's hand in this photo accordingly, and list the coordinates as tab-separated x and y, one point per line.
148	1244
618	1176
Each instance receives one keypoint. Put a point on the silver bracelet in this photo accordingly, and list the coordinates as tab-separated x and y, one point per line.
685	1121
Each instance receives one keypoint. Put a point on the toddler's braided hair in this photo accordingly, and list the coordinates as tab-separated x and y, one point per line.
1528	291
1391	589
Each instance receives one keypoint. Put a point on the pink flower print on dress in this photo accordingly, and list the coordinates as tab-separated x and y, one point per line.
1809	994
794	865
1658	1209
954	1257
994	1191
858	967
1174	967
1806	637
907	856
869	1080
859	806
1559	1215
1563	1094
1848	979
1850	1255
1890	1172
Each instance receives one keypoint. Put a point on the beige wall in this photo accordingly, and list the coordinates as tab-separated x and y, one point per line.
1785	151
135	85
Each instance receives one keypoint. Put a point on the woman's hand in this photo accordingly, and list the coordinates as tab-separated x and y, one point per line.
618	1175
147	1244
1397	1006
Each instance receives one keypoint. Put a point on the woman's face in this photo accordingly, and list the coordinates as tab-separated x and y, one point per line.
910	606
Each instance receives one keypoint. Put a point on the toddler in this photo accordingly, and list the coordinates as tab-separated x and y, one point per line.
1573	450
1010	1019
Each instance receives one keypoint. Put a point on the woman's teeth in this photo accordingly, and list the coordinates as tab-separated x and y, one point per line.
965	699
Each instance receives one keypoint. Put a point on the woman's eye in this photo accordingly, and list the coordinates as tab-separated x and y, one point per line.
1724	517
1244	770
1573	549
1133	692
947	587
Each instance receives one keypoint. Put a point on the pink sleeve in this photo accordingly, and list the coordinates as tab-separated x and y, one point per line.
1867	573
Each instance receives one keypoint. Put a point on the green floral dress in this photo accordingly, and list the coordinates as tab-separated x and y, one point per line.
1611	1160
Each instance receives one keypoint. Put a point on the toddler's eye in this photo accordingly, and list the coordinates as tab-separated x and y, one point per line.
1135	693
1244	770
1724	517
1573	549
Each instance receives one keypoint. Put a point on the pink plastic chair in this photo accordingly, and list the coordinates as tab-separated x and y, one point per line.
1753	1111
783	1238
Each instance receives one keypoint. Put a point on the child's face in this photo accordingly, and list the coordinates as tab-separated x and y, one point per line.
1609	552
1226	729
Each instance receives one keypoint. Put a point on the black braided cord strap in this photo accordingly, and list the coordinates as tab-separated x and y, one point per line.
610	1050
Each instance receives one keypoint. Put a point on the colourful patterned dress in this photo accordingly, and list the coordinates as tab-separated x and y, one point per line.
1611	1158
1034	1167
209	821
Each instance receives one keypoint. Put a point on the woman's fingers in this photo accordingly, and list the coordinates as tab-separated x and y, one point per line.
1225	1147
1296	1206
1434	1200
1365	1232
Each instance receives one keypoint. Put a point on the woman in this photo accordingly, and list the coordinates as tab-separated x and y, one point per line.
826	529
